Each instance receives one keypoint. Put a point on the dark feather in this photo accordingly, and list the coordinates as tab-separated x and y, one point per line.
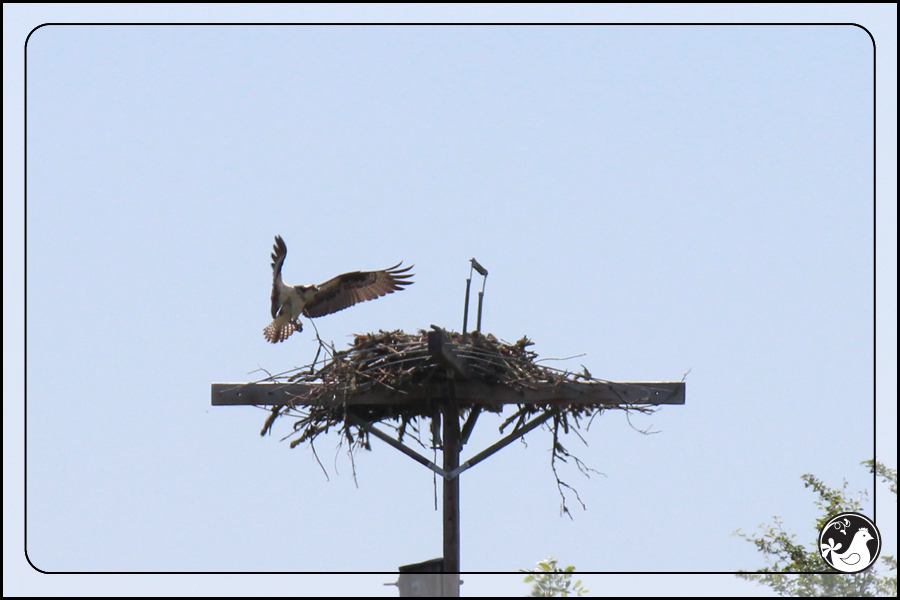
348	289
279	251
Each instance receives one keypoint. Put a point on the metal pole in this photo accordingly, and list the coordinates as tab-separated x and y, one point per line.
478	323
466	308
451	494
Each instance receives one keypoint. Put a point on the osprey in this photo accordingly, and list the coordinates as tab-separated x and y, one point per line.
338	293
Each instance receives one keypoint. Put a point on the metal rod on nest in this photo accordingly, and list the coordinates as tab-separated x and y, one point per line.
483	272
466	307
478	322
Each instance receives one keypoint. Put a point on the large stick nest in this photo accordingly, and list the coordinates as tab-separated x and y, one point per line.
400	362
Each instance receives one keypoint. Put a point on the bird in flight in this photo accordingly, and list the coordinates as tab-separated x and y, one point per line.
338	293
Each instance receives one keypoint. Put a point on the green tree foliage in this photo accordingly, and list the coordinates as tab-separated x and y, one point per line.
548	580
813	575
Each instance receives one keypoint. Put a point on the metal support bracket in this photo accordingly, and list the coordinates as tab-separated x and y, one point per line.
353	419
513	436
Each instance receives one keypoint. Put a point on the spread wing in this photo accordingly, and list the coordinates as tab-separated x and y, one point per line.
348	289
279	251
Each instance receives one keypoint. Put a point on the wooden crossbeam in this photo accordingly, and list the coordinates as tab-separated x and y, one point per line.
491	397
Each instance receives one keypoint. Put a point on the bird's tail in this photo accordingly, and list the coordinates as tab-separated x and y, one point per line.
279	329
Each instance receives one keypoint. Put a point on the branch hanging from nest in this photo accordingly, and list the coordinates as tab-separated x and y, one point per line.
560	452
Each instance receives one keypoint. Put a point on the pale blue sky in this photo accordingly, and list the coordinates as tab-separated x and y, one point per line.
662	199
